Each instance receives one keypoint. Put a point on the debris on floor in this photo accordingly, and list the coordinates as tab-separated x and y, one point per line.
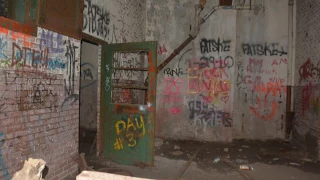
246	167
32	170
177	153
294	164
241	161
211	165
176	147
216	160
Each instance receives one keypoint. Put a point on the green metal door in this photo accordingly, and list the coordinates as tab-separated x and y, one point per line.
127	104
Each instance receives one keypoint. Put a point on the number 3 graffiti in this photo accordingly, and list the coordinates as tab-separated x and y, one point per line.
129	131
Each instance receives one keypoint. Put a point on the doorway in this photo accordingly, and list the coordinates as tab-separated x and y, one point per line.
88	95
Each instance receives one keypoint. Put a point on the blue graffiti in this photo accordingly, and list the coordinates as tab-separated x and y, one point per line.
56	63
28	56
3	165
2	46
88	72
47	40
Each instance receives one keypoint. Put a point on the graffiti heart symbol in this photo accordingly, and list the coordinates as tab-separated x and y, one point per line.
225	99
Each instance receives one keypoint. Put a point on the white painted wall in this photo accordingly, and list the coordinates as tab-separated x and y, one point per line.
187	112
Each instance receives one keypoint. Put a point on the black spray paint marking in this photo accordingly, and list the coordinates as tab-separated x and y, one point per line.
88	72
202	112
221	62
95	19
71	57
173	72
214	45
266	49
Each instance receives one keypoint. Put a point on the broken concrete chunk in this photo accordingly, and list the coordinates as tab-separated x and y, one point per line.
245	146
275	159
216	160
241	161
177	153
225	149
176	147
32	170
294	164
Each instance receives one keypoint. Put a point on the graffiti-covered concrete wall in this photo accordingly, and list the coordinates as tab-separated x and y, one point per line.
39	108
307	90
115	21
230	81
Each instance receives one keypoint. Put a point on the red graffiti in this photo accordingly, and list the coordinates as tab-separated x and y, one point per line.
172	90
126	95
216	87
175	110
255	66
309	72
307	92
279	62
259	111
162	49
270	87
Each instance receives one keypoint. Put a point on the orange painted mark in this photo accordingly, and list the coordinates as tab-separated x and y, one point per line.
152	74
18	30
260	108
4	31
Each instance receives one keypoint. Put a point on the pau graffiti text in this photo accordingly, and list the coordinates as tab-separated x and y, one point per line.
128	131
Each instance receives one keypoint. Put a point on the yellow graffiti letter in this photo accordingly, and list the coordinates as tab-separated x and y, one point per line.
141	125
118	126
133	141
130	124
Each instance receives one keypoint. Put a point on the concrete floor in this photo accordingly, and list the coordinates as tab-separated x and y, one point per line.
271	160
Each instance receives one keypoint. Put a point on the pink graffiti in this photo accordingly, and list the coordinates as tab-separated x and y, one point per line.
162	49
175	110
172	91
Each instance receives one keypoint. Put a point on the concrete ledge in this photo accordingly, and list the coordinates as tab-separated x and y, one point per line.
92	175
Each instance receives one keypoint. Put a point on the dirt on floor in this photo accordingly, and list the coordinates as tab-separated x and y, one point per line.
270	160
